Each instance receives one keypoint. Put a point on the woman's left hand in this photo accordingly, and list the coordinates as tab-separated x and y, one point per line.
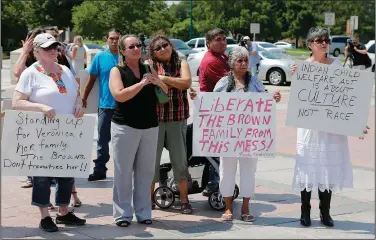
78	111
277	96
365	132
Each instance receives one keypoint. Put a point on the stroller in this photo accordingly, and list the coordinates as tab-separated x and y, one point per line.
164	196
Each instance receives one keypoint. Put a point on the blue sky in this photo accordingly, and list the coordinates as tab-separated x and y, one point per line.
171	2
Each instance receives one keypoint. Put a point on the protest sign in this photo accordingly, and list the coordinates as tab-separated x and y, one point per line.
234	125
330	98
33	145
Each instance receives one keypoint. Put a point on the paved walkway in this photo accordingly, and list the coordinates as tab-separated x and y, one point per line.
276	207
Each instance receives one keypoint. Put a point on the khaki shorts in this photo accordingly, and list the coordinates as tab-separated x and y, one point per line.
172	136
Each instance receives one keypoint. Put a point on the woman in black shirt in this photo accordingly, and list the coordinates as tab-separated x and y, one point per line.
134	131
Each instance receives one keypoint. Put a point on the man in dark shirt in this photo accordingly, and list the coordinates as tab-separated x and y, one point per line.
213	67
359	53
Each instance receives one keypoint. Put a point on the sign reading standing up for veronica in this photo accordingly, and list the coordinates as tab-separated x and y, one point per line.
33	145
234	125
330	98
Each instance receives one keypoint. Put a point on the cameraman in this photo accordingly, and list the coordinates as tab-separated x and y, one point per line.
357	51
254	59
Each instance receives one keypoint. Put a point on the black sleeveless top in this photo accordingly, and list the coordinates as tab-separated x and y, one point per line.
139	112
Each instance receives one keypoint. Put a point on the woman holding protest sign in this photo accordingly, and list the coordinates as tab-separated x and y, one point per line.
134	131
50	88
239	79
323	159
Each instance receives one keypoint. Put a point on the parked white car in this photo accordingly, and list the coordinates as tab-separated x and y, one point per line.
284	45
199	44
271	48
337	45
194	60
370	46
274	69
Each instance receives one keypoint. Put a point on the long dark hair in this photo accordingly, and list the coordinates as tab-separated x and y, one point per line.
174	60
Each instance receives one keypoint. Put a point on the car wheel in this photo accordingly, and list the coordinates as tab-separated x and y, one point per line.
336	52
276	77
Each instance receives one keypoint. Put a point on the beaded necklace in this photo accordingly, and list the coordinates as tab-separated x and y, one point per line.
55	76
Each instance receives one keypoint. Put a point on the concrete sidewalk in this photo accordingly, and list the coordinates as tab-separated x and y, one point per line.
276	207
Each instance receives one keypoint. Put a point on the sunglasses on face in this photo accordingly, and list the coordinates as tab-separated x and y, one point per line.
164	45
321	41
139	45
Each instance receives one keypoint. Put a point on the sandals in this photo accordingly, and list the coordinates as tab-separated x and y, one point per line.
227	217
123	224
247	218
186	208
147	222
27	184
51	207
76	203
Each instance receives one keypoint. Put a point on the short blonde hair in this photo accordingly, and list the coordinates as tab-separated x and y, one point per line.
79	41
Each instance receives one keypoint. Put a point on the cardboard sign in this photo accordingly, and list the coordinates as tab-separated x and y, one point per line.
234	125
330	98
33	145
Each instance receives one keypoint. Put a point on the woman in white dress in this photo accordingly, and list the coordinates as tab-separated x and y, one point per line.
323	159
78	54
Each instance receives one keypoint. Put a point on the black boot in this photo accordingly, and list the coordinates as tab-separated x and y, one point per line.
325	198
305	217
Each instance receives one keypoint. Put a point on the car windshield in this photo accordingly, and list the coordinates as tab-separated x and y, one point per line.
179	44
269	55
266	45
228	49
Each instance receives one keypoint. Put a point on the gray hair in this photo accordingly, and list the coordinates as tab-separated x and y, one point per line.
236	53
316	32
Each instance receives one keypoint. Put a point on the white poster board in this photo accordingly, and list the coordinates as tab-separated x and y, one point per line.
33	145
330	98
234	125
93	99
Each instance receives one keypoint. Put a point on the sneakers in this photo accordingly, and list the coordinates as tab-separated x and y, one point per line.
47	225
70	219
211	187
96	177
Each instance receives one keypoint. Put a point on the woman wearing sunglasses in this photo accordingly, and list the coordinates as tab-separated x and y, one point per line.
173	115
51	88
134	132
323	159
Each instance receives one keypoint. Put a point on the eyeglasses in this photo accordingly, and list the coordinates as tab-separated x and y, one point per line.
321	41
240	61
139	45
164	45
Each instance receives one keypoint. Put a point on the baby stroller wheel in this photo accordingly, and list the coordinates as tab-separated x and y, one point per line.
216	201
164	197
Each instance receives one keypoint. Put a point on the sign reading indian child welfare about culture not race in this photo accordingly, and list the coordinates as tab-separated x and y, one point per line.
33	145
234	125
330	98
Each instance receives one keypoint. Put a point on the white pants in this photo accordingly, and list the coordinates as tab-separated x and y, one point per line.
227	172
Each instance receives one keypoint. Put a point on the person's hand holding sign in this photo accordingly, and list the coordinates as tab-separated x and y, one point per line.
365	132
293	68
192	93
277	97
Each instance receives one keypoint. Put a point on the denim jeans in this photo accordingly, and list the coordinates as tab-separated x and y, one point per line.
104	137
42	190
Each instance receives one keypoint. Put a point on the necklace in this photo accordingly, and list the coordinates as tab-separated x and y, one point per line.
55	76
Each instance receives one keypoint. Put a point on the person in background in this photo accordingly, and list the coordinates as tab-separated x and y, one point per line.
173	115
358	52
134	131
78	56
100	67
323	159
49	87
239	79
254	58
